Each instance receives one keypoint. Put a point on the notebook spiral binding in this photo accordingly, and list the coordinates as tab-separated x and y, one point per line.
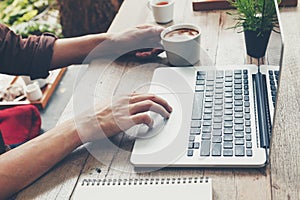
152	181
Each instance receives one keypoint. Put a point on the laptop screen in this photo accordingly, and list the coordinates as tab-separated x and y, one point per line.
275	48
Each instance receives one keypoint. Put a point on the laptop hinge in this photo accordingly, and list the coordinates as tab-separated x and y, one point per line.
262	111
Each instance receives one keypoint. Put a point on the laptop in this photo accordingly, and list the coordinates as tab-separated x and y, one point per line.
222	115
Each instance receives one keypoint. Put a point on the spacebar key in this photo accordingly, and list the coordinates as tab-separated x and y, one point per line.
198	105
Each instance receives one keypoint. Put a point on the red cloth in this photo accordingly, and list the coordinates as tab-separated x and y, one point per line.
19	124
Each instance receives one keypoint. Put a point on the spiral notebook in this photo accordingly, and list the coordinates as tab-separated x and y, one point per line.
146	189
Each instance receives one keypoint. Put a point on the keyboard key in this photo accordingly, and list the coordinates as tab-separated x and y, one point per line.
238	91
238	103
209	88
239	150
218	101
228	124
210	83
227	152
238	127
210	76
195	131
219	91
249	145
206	136
239	141
237	76
228	84
216	149
248	137
200	82
228	79
238	81
190	152
239	121
228	130
228	94
218	108
238	97
228	112
197	105
191	138
191	145
218	113
207	116
205	148
218	120
219	96
228	89
248	123
199	88
227	145
207	110
238	86
228	100
238	109
206	129
217	126
228	106
228	118
216	139
219	86
249	152
239	134
237	71
196	145
208	104
209	94
247	104
208	99
217	132
196	124
228	73
219	73
247	116
207	123
248	130
227	137
238	115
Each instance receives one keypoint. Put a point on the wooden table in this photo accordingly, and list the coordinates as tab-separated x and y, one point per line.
279	180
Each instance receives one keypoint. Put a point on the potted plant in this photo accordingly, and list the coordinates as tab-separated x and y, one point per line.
256	18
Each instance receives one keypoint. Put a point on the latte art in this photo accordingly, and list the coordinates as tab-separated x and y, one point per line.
181	34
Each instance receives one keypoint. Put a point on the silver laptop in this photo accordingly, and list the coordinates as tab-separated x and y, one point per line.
222	115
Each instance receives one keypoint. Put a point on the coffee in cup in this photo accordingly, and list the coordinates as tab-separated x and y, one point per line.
182	44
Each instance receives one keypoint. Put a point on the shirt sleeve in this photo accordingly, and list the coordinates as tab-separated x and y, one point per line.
31	56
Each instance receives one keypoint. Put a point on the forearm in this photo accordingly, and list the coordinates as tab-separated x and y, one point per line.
74	50
21	166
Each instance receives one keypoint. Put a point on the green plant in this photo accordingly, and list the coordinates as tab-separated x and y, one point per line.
254	15
28	17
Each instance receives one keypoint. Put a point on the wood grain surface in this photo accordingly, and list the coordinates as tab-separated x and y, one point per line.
220	46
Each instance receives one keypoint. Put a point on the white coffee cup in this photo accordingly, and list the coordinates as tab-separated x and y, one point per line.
182	44
163	10
33	92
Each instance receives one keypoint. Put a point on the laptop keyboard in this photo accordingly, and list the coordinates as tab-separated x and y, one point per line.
273	77
221	120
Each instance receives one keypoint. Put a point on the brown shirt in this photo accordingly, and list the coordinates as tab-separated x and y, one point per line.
30	56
